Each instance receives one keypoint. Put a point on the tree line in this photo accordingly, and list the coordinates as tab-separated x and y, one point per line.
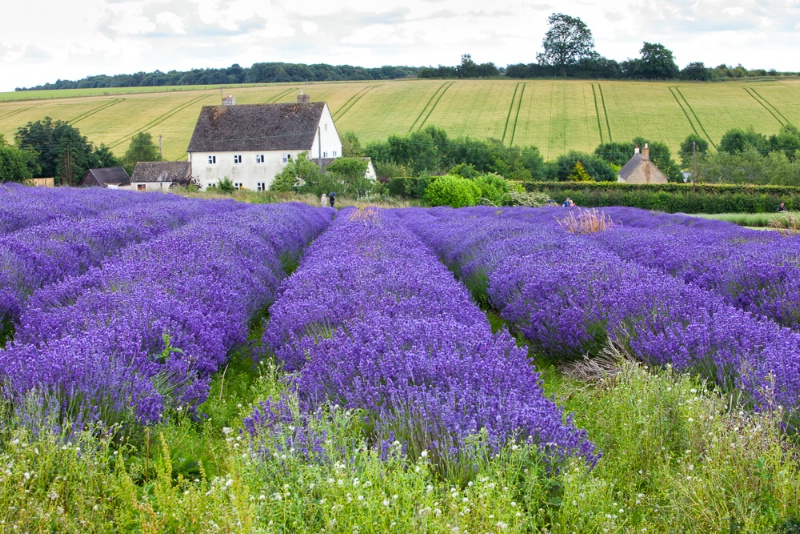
235	74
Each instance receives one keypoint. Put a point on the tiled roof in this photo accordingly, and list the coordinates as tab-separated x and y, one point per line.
162	171
255	127
629	167
108	175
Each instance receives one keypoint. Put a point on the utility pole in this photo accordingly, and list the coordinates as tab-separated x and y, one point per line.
694	166
160	147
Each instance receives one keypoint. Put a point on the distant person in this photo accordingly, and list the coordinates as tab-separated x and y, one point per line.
332	198
782	207
323	200
568	203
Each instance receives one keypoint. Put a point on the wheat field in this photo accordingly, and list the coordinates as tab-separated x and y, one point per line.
554	115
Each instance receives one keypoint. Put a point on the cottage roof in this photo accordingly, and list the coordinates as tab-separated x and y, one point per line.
255	127
106	176
162	171
629	167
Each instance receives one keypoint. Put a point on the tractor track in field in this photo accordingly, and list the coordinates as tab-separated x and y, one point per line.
159	120
766	104
683	103
516	103
280	95
598	105
429	106
18	111
98	109
352	101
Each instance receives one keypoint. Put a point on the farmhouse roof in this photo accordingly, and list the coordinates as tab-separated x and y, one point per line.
639	169
255	127
162	171
105	177
629	167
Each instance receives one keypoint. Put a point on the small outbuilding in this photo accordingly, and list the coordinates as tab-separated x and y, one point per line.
109	177
640	170
160	175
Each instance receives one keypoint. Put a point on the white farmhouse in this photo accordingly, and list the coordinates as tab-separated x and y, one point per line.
250	144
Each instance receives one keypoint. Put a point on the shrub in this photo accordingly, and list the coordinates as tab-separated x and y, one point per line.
226	185
452	191
494	189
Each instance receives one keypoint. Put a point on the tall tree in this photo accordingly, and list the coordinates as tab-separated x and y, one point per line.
566	42
64	153
657	63
141	148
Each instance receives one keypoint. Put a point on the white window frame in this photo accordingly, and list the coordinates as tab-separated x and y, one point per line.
259	158
324	154
237	185
212	160
237	159
261	186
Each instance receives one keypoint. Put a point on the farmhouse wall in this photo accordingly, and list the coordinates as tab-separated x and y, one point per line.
249	173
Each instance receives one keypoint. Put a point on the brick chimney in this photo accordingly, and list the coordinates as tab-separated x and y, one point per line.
646	152
303	98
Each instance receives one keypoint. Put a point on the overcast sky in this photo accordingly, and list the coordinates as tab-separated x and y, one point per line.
44	40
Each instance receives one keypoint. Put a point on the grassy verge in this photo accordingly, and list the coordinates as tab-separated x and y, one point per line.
751	220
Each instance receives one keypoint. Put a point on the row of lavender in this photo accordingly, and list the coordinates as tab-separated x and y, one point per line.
371	320
21	206
569	293
145	329
756	271
42	254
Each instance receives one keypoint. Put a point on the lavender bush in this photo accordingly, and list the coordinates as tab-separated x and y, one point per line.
570	294
22	206
146	329
372	321
752	270
39	255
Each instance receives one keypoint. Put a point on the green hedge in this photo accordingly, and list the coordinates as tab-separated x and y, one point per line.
672	197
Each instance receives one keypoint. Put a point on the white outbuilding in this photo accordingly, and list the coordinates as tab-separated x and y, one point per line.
249	144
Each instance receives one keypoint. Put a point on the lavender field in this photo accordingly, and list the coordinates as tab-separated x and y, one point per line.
185	365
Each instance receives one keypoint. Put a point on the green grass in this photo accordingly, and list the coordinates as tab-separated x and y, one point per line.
554	115
752	220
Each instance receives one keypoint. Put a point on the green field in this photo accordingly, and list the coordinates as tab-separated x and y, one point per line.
554	115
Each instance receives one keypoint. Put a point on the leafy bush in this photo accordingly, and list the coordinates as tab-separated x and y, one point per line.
225	185
494	189
452	191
